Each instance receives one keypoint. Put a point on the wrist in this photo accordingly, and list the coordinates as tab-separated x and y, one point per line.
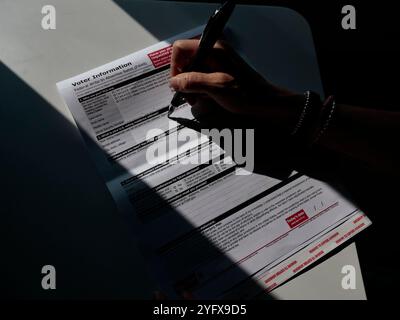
306	125
286	111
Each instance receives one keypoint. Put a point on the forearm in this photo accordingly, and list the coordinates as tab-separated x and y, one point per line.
362	135
367	136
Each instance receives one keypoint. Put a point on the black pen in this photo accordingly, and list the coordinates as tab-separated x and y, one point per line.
212	31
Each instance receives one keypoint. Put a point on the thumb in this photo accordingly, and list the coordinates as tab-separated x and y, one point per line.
197	82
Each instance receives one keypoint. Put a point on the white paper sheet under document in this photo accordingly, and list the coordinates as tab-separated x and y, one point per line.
201	227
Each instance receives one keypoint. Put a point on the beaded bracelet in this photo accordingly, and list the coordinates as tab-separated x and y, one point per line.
303	113
308	118
328	110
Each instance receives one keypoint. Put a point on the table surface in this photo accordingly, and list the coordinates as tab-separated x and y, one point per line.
90	33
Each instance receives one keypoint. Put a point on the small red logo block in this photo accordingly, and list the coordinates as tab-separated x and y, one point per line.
161	57
295	219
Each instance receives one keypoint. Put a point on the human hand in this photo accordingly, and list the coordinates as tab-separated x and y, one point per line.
229	82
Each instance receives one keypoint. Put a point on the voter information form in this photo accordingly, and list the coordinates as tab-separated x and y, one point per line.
201	227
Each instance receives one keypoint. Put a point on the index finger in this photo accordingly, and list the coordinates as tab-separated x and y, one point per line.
182	53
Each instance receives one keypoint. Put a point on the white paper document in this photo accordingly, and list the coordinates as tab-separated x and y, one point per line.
202	226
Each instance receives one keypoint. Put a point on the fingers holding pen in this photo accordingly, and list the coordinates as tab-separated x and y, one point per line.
183	52
197	82
220	87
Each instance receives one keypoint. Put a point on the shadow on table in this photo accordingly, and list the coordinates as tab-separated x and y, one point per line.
57	211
